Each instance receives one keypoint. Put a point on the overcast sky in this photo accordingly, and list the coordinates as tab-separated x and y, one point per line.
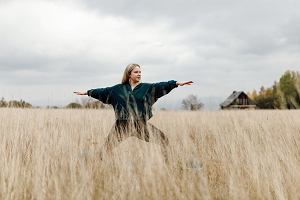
50	48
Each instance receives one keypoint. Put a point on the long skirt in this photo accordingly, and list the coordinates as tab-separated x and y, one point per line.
122	129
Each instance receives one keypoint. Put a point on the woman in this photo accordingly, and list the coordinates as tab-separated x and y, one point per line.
132	102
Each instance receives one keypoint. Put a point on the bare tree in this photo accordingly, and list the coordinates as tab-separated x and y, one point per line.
192	102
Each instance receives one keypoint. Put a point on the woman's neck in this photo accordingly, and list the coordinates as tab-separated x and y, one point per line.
133	84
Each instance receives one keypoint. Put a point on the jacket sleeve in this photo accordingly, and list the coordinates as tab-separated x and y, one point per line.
102	94
162	88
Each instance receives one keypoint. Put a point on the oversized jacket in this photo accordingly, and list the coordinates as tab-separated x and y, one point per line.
132	104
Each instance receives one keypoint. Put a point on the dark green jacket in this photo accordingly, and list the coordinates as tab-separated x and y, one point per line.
136	103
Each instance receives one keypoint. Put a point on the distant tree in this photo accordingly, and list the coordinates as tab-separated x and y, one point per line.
284	94
265	99
18	104
13	104
279	100
288	85
89	103
3	103
192	102
25	104
262	90
74	105
252	94
94	105
297	83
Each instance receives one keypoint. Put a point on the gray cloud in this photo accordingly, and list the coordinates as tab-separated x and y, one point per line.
221	45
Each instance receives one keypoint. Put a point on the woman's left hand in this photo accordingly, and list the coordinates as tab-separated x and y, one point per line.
80	93
184	83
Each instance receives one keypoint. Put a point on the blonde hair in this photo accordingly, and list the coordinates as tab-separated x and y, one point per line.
128	71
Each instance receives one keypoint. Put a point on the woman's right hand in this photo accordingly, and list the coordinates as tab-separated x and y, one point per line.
80	93
184	83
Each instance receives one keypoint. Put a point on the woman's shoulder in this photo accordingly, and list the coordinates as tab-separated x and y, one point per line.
118	86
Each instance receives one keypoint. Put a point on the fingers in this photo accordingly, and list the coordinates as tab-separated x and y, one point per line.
188	83
79	93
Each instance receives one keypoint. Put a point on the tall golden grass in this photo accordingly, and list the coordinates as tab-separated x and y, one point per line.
54	154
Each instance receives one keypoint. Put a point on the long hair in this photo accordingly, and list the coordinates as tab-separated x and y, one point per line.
127	72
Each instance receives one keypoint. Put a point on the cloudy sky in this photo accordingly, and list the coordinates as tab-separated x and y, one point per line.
50	48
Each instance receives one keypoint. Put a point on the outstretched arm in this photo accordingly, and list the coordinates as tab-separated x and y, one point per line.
163	88
102	94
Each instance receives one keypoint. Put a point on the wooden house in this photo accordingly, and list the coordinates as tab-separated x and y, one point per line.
238	100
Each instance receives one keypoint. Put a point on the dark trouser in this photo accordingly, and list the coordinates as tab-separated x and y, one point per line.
123	129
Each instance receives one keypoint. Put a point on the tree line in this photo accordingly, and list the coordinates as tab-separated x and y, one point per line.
283	94
85	104
14	104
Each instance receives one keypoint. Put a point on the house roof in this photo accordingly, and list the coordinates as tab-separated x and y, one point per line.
231	98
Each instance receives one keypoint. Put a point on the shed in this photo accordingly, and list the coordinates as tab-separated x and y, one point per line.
238	100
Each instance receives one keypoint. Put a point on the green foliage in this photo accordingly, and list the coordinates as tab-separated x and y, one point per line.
278	100
265	98
284	94
288	85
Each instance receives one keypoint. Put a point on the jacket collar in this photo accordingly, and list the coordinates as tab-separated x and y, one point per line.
128	86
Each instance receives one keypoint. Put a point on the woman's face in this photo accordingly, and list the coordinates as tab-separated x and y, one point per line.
136	74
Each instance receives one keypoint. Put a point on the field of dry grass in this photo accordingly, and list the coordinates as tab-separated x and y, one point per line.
54	154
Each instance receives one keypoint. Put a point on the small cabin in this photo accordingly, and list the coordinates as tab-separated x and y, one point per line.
238	100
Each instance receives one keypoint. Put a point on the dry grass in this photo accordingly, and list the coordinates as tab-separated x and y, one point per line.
53	154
